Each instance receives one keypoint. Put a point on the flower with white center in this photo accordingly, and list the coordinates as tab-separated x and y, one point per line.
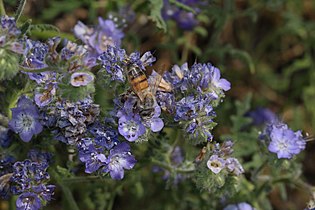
215	164
25	119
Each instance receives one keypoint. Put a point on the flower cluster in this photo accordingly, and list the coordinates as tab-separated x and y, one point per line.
92	152
196	92
221	159
98	38
133	121
283	141
71	65
25	119
185	19
70	120
9	34
117	63
29	182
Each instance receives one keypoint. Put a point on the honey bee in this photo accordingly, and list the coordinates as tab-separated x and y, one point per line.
144	89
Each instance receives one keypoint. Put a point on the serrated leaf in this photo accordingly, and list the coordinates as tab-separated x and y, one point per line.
43	27
76	93
155	15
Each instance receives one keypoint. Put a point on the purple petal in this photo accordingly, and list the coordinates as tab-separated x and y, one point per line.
156	124
117	172
26	136
224	84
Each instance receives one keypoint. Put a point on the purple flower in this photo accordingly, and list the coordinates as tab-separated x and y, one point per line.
186	109
239	206
178	77
8	24
261	116
201	78
25	119
28	180
215	164
216	79
284	141
35	54
120	158
70	120
154	122
100	37
104	137
130	127
234	166
166	101
28	201
185	19
46	96
81	78
93	158
112	61
44	191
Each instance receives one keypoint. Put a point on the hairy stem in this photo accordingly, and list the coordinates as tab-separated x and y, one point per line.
20	9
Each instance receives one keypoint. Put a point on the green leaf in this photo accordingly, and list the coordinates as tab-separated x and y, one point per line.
182	6
43	27
201	30
9	64
20	9
156	7
75	93
25	27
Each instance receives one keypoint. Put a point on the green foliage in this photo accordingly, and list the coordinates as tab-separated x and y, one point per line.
76	93
155	15
42	28
9	62
19	10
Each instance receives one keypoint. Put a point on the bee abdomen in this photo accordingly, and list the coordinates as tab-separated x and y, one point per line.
139	83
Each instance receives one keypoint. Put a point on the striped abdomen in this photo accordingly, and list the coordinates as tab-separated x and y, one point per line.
138	81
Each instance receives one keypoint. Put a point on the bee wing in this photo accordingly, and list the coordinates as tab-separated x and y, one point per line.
161	84
155	80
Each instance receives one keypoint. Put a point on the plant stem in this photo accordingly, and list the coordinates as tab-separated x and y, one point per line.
66	191
175	136
258	170
169	168
2	9
20	9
